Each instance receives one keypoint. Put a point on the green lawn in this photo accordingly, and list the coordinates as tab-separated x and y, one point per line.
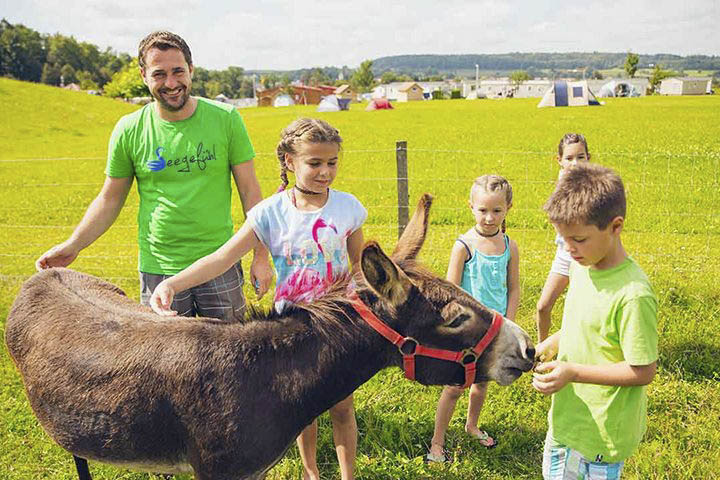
667	150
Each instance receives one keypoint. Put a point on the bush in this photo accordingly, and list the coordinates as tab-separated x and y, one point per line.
455	94
438	95
127	83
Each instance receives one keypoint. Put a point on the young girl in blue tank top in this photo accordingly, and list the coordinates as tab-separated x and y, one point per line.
485	262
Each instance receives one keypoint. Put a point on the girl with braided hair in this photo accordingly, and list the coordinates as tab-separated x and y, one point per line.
314	234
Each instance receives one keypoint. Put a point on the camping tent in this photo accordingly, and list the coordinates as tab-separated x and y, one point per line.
568	94
379	104
618	88
473	95
329	103
283	100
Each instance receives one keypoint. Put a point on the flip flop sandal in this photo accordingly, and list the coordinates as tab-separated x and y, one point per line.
432	458
484	439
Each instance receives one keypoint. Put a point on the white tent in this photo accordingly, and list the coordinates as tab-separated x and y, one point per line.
283	100
618	88
568	94
329	103
473	95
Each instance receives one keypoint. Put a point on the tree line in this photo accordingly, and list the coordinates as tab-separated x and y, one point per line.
539	61
26	54
29	55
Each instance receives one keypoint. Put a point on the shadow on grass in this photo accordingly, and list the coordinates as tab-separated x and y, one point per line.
693	360
396	443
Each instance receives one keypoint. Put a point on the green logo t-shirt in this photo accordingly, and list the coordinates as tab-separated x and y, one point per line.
183	172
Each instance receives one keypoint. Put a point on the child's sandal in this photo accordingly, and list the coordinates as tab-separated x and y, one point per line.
432	458
485	440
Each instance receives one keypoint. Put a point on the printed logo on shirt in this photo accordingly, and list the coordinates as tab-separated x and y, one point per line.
159	164
186	163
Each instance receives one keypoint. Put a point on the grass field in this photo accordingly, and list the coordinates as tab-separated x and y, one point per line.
52	151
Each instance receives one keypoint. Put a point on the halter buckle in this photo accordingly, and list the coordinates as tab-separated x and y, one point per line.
413	344
469	356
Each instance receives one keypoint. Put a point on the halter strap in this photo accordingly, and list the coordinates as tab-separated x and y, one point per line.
409	347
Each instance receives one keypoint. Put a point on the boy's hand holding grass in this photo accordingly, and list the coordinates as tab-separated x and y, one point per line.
550	377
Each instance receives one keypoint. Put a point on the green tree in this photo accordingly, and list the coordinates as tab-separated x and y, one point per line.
657	76
517	78
213	88
67	74
50	74
388	77
85	80
286	84
631	62
127	83
22	52
269	80
200	77
363	79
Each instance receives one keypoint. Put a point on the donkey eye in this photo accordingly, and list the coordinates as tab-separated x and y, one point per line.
459	320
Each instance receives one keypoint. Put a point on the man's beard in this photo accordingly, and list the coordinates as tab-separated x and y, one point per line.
168	106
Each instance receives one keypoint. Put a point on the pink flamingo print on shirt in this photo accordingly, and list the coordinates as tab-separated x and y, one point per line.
306	284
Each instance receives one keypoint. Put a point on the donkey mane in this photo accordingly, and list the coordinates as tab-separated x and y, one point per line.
325	317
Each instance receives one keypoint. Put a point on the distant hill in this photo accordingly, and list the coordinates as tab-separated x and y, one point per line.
537	61
538	64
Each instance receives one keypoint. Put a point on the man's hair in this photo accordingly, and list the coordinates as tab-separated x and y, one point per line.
587	194
163	41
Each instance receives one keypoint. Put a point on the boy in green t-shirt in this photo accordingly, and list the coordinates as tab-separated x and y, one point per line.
607	345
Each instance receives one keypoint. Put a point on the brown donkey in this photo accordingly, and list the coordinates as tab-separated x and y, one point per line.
113	382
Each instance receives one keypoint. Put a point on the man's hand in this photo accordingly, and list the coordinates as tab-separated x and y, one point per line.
261	273
550	377
60	255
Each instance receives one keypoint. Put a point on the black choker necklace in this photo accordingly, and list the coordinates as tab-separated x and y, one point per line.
306	192
486	236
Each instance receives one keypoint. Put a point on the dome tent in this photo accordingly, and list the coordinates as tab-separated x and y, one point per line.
283	100
379	104
329	103
568	94
618	88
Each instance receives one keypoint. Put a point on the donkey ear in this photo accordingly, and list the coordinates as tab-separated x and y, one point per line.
413	237
383	276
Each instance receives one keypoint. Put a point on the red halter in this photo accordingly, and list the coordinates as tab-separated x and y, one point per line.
409	347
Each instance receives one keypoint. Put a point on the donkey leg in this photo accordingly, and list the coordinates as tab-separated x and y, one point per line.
82	468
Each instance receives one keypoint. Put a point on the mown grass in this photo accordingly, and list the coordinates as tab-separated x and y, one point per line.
666	149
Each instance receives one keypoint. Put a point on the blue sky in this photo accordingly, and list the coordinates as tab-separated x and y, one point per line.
288	35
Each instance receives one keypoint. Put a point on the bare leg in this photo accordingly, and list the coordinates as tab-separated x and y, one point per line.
307	444
345	436
478	391
443	414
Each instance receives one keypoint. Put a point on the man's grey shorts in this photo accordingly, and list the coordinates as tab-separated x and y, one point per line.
222	297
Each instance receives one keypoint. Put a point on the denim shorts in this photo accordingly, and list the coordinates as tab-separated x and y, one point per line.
221	298
563	463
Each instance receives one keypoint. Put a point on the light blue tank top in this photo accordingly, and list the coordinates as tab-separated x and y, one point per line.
485	277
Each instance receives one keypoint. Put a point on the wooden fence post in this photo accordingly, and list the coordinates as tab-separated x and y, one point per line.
402	186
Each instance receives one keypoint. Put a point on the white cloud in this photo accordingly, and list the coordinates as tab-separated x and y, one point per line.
282	35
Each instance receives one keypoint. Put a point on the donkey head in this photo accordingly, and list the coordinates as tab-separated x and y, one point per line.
438	314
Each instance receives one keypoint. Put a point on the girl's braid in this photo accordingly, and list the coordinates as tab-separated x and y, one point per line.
304	129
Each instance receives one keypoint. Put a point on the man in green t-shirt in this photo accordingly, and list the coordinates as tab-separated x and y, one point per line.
183	151
607	345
